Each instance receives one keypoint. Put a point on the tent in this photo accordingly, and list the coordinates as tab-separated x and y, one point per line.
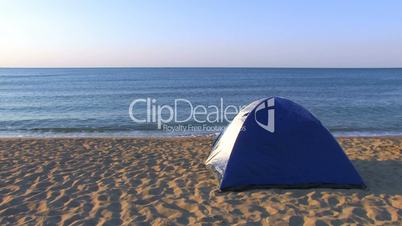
276	143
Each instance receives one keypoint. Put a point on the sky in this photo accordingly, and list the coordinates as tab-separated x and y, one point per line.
200	33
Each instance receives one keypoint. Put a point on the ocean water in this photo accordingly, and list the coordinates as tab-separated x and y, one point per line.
95	101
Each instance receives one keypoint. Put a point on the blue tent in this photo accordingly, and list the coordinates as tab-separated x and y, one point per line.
275	142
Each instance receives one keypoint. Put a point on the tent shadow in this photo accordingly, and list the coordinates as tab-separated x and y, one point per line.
381	177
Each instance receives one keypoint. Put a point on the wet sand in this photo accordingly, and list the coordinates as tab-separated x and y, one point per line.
143	181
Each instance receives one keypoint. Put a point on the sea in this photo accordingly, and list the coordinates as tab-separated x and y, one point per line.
137	102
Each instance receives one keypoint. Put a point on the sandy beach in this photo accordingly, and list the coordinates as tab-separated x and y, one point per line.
163	181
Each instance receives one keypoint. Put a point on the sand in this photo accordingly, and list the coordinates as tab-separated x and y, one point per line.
157	181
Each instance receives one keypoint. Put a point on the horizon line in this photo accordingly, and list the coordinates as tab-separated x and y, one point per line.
190	67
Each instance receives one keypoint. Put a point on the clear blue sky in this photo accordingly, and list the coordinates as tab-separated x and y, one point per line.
339	33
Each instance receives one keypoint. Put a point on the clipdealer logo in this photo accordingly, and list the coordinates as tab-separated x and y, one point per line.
266	108
162	114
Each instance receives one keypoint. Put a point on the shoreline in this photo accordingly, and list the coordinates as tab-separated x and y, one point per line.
170	137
